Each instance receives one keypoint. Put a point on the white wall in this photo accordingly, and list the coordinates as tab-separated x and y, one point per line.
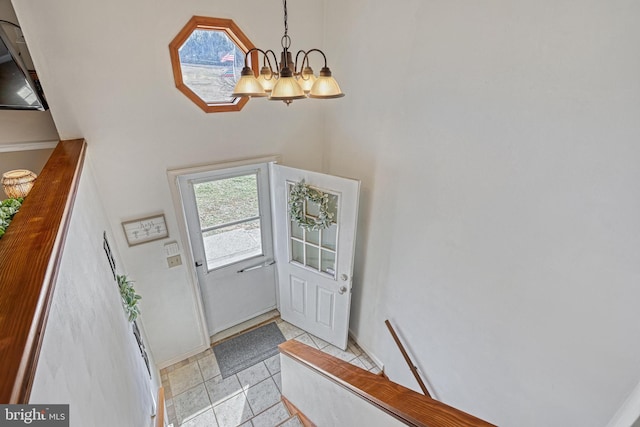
33	160
23	127
627	414
313	394
89	357
112	84
497	143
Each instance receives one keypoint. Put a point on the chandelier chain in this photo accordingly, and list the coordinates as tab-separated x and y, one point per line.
286	25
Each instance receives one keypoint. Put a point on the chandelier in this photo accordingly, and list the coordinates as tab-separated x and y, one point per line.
287	82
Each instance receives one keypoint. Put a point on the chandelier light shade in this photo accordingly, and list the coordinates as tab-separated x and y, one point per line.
17	183
325	87
287	88
267	79
286	82
307	79
248	85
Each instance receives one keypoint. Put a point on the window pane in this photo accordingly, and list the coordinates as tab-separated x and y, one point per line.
329	237
210	63
296	231
329	263
231	244
297	252
332	206
313	260
312	208
313	236
227	200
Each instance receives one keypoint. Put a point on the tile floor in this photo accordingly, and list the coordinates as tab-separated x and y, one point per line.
197	396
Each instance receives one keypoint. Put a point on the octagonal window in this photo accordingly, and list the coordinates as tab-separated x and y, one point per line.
207	57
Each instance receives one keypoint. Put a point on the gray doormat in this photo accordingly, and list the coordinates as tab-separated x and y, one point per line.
245	350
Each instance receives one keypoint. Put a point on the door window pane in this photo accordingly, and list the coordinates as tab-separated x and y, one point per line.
313	236
297	231
312	259
332	206
229	213
312	208
297	251
329	237
329	262
226	245
227	200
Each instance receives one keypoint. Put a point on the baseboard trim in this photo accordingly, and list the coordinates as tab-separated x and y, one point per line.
367	350
247	324
180	358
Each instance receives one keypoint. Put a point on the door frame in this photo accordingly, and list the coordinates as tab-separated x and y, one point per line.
185	241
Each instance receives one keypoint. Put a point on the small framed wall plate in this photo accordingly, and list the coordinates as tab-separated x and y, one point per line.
145	230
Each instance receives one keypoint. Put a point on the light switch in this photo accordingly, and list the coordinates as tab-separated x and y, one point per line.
171	249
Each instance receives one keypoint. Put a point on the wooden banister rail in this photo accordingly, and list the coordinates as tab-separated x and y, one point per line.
408	406
160	408
30	254
407	359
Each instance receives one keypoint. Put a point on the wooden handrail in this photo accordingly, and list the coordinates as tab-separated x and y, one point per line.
160	408
408	406
412	367
30	254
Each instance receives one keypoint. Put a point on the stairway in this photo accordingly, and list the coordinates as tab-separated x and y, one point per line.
293	421
297	418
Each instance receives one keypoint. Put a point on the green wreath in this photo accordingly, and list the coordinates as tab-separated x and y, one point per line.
300	193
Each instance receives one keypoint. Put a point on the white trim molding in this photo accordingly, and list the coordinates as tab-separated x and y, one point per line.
27	146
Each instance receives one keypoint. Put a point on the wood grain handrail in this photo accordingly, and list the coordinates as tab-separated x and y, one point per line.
160	408
30	254
407	359
410	407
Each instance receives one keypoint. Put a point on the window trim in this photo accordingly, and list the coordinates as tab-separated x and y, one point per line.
209	23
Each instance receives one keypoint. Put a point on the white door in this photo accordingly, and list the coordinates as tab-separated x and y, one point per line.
228	215
315	266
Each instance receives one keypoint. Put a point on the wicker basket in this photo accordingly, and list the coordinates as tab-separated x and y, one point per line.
18	183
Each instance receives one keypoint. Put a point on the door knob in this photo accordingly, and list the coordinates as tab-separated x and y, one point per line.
342	290
344	277
198	264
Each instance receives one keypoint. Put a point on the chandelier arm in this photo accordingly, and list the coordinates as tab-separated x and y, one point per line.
306	56
274	71
295	66
253	49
